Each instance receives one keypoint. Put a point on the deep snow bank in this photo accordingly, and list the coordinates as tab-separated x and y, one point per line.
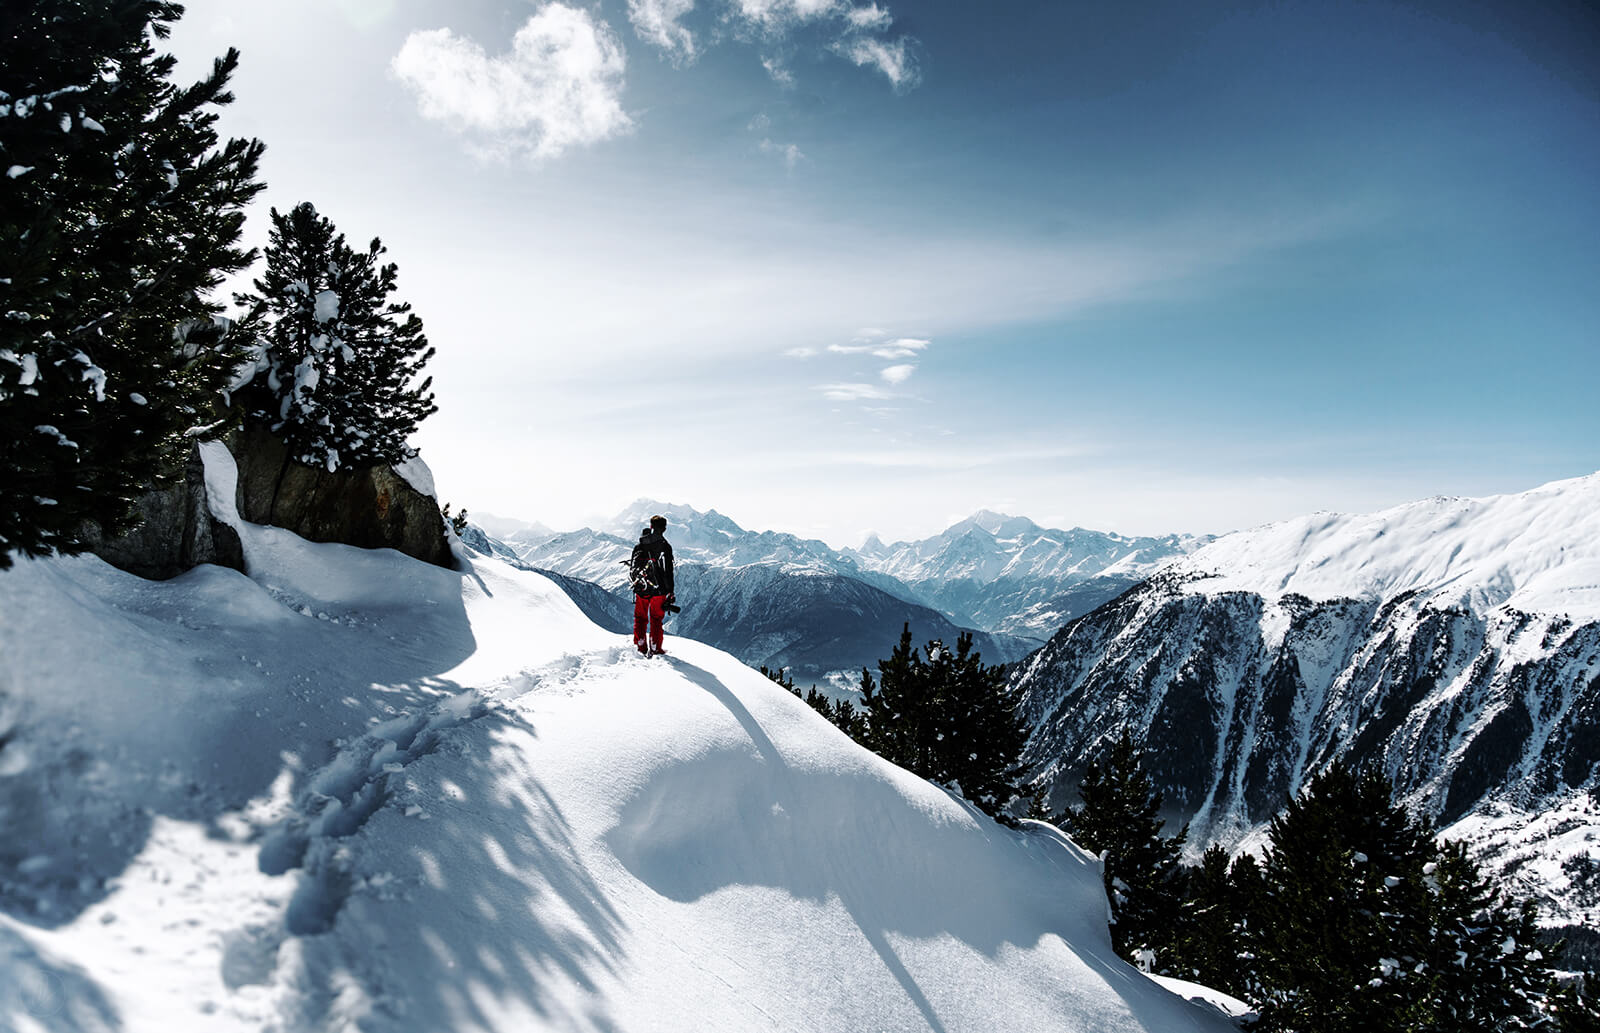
355	791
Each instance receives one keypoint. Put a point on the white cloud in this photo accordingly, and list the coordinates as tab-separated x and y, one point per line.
893	59
558	87
852	392
801	353
857	32
868	18
791	153
656	22
899	348
898	374
775	14
778	70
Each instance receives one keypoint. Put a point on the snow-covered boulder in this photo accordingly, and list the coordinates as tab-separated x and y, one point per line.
375	508
177	530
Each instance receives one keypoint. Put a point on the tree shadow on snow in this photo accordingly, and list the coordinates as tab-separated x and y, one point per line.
212	689
471	899
51	996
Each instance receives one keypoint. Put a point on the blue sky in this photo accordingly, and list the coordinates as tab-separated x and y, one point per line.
832	267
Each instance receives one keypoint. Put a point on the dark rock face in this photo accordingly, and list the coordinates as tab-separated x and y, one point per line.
175	533
1241	699
373	508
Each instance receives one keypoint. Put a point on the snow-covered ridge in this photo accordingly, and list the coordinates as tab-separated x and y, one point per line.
356	791
1537	551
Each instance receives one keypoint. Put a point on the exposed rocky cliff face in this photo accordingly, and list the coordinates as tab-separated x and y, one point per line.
176	532
374	508
1454	644
377	508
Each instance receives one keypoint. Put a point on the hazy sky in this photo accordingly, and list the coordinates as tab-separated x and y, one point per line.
828	266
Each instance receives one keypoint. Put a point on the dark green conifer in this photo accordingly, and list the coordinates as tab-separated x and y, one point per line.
1367	925
1209	929
1120	820
119	212
946	716
338	357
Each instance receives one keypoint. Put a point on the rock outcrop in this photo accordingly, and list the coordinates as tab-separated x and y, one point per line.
374	508
176	531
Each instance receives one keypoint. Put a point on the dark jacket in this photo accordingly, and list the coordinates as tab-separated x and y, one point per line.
652	558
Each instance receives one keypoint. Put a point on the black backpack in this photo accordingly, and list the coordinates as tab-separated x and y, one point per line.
645	571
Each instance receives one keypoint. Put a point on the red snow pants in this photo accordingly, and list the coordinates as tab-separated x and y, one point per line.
649	611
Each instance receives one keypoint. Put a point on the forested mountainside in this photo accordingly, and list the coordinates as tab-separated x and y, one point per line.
1454	643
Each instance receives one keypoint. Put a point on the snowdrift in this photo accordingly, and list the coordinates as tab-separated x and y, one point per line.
355	791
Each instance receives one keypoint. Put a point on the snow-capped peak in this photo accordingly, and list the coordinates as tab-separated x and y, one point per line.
1538	551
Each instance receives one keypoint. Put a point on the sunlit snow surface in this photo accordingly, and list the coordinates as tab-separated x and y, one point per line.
1538	551
354	791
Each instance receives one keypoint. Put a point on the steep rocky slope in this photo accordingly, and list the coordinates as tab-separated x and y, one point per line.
1455	643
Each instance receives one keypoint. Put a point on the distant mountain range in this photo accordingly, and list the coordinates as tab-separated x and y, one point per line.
1452	643
1008	574
784	601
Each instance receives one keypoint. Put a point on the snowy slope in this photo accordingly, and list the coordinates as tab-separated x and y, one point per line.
1538	552
1454	644
357	792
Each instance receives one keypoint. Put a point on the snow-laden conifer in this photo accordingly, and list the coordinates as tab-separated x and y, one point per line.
338	358
119	212
1120	820
1367	924
946	716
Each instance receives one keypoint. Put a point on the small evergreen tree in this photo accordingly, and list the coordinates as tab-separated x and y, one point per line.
1368	925
1119	820
839	712
338	357
1575	1006
946	716
119	212
1208	933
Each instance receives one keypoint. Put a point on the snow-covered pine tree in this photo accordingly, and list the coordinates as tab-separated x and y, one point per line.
1120	820
900	710
338	357
1368	925
945	716
1490	972
119	212
981	734
1209	930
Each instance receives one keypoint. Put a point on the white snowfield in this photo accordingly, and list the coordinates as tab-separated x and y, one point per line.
1538	551
356	792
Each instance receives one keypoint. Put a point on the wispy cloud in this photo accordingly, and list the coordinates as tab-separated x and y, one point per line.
859	33
791	153
898	374
801	353
558	87
658	22
853	392
899	348
891	57
868	18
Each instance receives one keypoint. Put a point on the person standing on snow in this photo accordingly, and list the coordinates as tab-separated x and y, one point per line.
650	569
